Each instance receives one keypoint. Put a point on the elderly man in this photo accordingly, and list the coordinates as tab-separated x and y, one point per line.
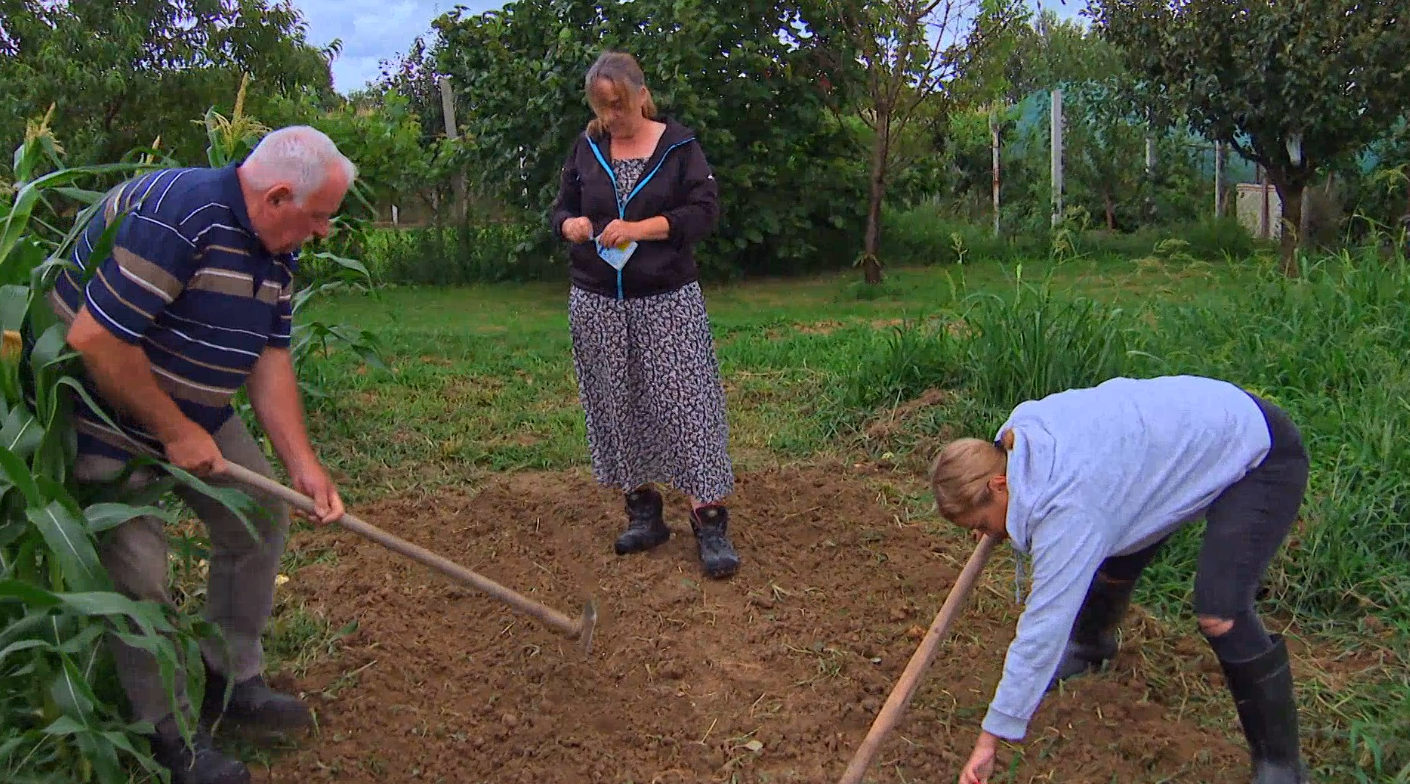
194	301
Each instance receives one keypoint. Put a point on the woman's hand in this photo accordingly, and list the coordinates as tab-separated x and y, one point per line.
981	763
619	232
577	229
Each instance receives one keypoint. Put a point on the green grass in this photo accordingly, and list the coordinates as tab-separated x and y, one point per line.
482	376
482	382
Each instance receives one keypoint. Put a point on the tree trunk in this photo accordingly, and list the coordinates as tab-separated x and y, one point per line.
1110	209
1290	194
871	245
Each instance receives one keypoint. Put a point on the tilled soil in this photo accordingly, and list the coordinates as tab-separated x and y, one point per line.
772	676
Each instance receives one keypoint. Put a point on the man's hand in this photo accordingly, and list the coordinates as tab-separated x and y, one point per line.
274	394
577	229
619	232
194	450
981	763
313	481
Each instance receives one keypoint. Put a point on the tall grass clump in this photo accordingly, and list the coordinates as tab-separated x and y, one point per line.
911	359
1331	347
1036	341
997	349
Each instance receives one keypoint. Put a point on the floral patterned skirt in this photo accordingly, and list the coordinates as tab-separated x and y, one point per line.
649	382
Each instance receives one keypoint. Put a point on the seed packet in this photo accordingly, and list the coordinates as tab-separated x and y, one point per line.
616	256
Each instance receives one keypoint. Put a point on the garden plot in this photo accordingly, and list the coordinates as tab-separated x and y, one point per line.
773	676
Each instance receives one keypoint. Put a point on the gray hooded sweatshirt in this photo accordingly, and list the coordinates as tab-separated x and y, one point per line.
1107	471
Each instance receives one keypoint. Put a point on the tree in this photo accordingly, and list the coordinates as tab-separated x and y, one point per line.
413	76
750	76
1290	85
913	53
123	73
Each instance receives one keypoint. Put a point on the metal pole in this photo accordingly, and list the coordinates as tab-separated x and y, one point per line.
1218	180
1056	124
994	145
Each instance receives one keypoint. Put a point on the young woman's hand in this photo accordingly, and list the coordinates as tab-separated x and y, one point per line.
577	229
981	763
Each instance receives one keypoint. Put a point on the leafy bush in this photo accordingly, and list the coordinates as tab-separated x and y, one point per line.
926	235
486	252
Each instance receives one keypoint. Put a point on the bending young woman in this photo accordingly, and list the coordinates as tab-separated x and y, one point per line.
1090	483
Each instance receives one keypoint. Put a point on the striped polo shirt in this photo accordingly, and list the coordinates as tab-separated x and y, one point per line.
188	281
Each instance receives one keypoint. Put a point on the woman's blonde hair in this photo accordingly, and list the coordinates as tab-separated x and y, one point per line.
624	73
960	475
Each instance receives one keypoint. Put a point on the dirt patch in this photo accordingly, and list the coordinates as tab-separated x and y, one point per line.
773	676
818	328
893	420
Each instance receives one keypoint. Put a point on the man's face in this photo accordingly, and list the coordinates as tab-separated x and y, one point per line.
284	225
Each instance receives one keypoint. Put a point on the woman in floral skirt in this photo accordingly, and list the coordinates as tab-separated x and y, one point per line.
647	373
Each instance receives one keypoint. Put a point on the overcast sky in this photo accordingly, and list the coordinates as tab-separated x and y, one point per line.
376	30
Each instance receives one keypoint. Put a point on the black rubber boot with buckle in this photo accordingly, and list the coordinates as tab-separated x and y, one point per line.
200	763
1093	640
252	704
646	528
1262	689
711	526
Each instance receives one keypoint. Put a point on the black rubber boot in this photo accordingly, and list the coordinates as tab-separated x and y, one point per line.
201	763
711	527
253	703
1093	640
646	528
1262	689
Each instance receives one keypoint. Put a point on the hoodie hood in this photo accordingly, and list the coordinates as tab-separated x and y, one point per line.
1031	470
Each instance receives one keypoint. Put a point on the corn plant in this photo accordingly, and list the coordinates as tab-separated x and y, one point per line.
61	708
61	713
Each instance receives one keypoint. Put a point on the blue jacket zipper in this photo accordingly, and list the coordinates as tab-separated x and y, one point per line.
612	177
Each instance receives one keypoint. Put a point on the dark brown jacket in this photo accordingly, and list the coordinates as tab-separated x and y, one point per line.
677	183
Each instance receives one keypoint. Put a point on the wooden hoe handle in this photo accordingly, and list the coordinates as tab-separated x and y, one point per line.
901	693
549	616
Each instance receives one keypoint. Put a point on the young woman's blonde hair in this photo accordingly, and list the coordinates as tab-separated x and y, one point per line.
623	72
960	475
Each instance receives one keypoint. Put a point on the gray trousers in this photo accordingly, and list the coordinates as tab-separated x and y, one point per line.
240	586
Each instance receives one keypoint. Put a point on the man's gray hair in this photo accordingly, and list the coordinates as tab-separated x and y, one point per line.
298	154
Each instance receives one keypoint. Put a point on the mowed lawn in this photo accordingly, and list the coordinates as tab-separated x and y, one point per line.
481	378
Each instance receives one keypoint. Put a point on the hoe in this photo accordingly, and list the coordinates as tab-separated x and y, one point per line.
580	629
901	693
